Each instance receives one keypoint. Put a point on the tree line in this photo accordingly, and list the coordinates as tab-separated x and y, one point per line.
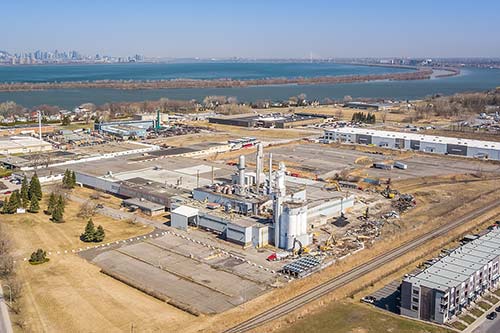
28	197
361	117
457	105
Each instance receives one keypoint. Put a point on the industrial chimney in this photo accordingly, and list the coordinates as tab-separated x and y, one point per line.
241	174
259	165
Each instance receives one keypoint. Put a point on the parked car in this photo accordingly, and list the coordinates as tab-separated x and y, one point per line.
99	206
497	309
491	315
369	299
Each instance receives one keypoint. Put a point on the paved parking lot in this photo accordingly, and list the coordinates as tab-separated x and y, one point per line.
389	297
325	161
187	273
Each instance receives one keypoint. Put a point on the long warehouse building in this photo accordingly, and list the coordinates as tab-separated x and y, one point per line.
414	141
442	290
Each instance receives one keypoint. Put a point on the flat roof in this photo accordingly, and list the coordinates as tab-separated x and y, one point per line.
418	137
143	203
461	264
186	211
21	142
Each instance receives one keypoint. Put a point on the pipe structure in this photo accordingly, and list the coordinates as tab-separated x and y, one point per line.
241	174
259	165
270	177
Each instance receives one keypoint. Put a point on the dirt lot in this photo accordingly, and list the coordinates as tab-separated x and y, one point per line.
68	294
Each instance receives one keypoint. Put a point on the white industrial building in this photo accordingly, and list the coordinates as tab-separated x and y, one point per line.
23	145
414	141
241	204
183	216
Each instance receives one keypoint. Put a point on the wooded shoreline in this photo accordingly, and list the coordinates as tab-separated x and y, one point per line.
419	74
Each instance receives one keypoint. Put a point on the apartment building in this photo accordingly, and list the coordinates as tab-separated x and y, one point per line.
445	288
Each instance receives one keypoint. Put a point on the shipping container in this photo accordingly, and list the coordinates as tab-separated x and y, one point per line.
379	165
400	165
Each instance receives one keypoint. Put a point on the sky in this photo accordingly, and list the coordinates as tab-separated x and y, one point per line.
254	28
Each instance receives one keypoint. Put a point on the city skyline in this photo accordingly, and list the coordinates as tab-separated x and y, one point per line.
259	30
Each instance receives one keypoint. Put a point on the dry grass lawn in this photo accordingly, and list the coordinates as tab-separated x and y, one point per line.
68	294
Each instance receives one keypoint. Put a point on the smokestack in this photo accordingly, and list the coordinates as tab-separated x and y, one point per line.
241	173
158	120
270	182
259	165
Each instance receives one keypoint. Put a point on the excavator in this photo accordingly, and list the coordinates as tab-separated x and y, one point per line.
328	243
301	250
388	192
365	215
332	184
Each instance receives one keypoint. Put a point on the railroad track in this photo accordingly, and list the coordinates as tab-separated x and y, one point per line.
355	273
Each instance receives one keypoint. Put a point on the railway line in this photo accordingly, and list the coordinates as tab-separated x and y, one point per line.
355	273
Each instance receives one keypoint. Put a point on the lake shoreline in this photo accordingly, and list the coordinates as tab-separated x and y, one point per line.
418	74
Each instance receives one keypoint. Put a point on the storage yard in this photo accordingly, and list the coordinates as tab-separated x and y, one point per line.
187	274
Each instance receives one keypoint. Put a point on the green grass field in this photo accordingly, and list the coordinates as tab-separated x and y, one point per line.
468	319
477	312
353	317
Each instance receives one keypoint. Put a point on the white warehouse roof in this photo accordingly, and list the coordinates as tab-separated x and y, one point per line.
21	142
418	137
186	211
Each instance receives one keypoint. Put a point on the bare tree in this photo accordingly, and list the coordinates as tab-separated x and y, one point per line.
384	116
87	209
339	113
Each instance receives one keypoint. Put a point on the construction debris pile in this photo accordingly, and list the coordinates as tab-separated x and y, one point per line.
404	202
176	130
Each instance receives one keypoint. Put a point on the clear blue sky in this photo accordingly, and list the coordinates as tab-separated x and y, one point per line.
254	28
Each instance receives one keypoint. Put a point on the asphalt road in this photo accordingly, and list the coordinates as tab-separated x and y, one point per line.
355	273
483	325
5	324
489	326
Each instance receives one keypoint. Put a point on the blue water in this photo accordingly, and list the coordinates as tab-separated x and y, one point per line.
468	80
207	71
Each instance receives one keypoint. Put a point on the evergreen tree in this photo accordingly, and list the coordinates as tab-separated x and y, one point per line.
69	179
35	188
34	206
38	257
99	234
57	214
52	203
15	201
89	233
61	203
6	206
65	179
73	178
24	192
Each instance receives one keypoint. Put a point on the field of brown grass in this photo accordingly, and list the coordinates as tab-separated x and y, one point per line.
68	294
